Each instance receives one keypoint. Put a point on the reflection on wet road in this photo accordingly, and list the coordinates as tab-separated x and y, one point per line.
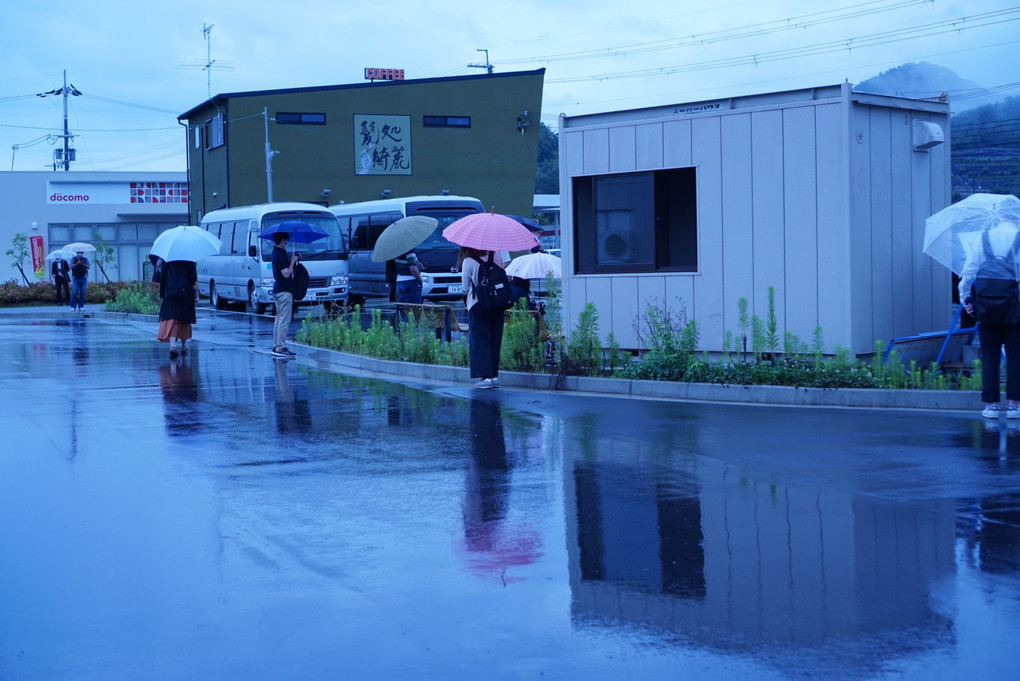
232	516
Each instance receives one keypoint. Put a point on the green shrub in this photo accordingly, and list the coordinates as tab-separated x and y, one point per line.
140	297
521	349
13	294
584	349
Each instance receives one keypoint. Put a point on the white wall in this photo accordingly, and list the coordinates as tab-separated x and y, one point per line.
26	201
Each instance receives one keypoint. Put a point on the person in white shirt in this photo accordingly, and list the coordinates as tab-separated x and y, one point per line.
990	291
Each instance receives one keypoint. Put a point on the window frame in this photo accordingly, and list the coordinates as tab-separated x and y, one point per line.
667	202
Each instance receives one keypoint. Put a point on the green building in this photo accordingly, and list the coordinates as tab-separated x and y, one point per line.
468	135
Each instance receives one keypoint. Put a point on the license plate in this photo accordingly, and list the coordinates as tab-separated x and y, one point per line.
456	288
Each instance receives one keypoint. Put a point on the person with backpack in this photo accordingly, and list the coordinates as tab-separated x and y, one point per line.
61	277
178	286
990	290
488	297
80	266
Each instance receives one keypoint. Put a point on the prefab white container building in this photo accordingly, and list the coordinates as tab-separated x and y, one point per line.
821	193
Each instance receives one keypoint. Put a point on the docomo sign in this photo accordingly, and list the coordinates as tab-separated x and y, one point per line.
68	198
87	192
383	74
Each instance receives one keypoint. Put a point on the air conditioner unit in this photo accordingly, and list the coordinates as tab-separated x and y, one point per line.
616	246
927	135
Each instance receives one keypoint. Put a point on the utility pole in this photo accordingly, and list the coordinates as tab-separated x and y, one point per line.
269	158
487	66
66	154
67	136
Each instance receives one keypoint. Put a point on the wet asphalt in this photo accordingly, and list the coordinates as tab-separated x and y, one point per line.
231	516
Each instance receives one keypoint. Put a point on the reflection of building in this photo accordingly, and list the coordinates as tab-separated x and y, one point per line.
734	563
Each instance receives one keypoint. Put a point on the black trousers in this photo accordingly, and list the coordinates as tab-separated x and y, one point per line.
485	338
63	291
993	338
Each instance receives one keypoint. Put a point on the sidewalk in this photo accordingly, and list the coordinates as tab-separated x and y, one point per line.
935	400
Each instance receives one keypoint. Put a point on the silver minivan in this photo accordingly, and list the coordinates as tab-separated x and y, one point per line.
242	272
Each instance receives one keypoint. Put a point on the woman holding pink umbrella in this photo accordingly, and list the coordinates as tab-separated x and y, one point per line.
485	327
481	236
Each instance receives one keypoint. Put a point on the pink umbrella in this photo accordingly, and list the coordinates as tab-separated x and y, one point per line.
490	232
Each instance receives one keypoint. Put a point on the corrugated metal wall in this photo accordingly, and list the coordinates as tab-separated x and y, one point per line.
818	196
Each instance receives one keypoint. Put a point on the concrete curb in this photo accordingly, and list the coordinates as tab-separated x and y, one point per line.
667	390
936	400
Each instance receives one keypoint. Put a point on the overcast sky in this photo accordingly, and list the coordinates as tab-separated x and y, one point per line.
138	66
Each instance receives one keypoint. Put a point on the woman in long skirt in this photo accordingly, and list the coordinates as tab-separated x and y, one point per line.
178	288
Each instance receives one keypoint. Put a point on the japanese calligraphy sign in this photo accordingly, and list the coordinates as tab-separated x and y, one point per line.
382	144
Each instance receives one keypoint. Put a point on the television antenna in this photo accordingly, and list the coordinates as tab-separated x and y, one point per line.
209	64
487	66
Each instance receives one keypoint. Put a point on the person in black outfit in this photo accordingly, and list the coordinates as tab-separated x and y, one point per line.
178	289
61	272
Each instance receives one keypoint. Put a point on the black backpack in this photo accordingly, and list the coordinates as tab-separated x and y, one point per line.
493	287
78	269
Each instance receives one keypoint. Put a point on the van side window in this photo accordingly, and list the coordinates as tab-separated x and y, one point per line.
377	223
235	232
359	235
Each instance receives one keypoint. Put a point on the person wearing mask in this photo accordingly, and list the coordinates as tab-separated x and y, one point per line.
61	278
80	267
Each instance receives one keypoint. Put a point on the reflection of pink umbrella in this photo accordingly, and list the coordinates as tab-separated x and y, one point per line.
490	232
493	547
534	266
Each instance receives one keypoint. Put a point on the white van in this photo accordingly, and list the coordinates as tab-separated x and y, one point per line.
242	272
363	222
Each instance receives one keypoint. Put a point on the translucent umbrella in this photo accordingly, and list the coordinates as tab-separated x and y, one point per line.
535	266
958	232
185	242
402	236
58	255
79	246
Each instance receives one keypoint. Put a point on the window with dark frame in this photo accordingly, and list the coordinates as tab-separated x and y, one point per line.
636	222
297	118
446	121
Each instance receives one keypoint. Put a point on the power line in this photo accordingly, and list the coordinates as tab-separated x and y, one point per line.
724	35
843	45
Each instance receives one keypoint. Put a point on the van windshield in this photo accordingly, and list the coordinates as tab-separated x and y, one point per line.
436	239
329	248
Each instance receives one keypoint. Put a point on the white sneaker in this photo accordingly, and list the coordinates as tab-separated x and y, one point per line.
484	384
1012	412
991	411
495	383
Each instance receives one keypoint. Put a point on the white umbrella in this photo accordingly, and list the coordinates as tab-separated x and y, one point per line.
79	246
58	255
535	266
185	242
957	232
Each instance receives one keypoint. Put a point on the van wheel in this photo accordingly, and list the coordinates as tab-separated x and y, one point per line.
214	297
253	301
